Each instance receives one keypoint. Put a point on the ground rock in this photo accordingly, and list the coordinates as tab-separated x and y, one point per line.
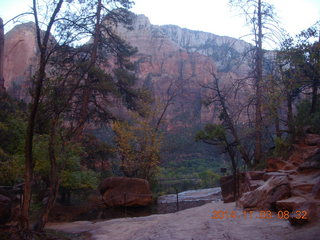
123	191
276	188
307	212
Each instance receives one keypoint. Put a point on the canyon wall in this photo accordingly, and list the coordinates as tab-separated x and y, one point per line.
20	59
170	60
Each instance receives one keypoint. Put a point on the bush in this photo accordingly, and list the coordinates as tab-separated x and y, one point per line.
304	118
281	148
209	179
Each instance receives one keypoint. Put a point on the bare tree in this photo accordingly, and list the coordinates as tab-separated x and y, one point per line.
260	16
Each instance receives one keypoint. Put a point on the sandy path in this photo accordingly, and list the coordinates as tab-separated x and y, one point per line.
193	224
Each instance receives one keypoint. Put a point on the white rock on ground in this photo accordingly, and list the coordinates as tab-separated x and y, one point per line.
193	224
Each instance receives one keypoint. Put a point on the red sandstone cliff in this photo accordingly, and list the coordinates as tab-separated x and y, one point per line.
170	54
170	60
20	58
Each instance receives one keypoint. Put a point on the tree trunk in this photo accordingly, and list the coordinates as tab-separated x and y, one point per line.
29	164
230	124
87	91
290	115
277	124
316	79
314	102
258	116
234	169
54	184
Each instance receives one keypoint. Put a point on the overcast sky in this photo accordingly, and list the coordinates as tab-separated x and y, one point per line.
213	16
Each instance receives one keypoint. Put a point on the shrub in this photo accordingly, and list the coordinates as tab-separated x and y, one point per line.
304	118
281	148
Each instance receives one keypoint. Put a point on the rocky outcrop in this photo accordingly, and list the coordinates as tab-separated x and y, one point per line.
291	184
123	191
276	188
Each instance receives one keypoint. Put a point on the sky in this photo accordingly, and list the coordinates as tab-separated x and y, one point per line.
215	16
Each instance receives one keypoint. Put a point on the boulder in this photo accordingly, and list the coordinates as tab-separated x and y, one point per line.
275	164
227	188
5	209
248	181
312	139
310	152
256	175
290	204
264	197
269	175
296	159
312	162
123	191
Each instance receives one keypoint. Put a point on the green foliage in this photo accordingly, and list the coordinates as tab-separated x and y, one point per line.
11	171
12	133
281	147
138	145
212	133
75	180
305	119
71	176
185	174
96	155
209	178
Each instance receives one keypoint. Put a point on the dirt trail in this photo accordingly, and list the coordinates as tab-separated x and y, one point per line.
193	224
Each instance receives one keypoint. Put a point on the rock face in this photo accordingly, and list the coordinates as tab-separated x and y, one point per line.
181	59
170	61
20	58
2	88
123	191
